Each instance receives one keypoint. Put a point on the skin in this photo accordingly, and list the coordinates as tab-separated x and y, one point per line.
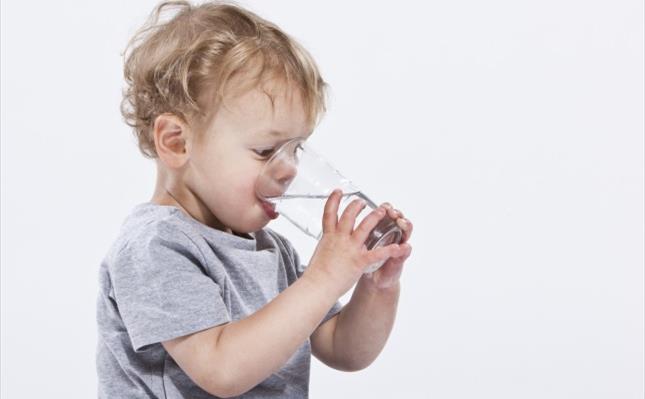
210	175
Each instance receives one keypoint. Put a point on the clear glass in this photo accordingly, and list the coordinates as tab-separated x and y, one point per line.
296	182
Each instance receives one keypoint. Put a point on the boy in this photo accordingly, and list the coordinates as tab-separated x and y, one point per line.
197	298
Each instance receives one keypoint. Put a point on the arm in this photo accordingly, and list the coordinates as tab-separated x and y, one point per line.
230	359
351	340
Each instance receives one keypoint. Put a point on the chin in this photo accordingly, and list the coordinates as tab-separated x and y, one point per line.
253	225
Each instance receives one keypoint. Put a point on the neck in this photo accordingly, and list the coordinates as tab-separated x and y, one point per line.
170	190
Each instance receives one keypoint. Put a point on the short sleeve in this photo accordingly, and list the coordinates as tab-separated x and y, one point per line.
162	290
300	268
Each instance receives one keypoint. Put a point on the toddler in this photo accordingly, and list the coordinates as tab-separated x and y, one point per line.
198	298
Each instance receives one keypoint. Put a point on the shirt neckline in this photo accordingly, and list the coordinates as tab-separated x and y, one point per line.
218	235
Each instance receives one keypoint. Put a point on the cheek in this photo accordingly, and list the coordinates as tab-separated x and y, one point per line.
241	190
231	192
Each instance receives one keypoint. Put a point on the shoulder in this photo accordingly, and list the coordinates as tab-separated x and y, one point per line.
149	228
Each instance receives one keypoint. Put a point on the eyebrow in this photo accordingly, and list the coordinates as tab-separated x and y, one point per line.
278	133
275	133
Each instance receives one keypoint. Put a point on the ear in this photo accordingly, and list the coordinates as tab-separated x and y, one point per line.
172	140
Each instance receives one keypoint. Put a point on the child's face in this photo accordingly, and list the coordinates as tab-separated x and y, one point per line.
226	161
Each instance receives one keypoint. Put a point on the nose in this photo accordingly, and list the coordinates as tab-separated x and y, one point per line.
276	178
280	171
285	172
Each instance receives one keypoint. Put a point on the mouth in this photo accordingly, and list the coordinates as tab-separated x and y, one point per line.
269	209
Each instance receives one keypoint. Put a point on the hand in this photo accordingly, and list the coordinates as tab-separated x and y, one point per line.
387	276
341	256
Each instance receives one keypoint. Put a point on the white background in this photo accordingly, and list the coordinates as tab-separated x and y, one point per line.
509	132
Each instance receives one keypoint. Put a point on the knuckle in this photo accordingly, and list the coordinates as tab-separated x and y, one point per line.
375	217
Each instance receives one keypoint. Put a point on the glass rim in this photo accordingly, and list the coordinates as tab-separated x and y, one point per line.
280	149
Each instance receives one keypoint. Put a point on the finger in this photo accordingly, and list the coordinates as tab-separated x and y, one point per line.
406	250
407	227
409	250
381	253
391	211
348	218
330	214
367	224
399	256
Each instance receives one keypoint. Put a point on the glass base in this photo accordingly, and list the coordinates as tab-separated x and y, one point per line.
385	233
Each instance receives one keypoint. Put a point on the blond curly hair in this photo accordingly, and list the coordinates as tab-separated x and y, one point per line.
182	65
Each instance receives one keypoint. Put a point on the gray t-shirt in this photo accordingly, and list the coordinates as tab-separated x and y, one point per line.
168	275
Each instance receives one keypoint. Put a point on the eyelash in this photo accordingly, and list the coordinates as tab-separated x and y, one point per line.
270	150
260	152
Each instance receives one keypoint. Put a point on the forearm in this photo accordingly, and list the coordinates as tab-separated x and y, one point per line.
364	325
253	348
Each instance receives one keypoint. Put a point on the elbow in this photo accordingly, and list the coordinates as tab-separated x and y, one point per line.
221	384
352	365
225	393
356	367
217	387
222	390
219	393
227	385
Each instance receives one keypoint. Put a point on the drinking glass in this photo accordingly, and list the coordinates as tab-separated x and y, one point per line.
296	181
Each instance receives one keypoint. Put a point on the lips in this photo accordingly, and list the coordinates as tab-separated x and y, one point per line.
269	209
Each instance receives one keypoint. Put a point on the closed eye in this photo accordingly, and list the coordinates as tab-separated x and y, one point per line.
264	153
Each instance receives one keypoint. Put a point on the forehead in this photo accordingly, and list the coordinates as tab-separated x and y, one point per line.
269	110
